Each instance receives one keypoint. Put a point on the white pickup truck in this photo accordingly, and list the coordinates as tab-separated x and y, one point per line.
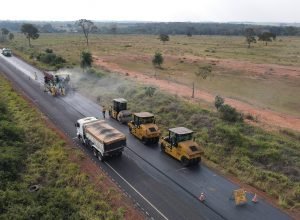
104	140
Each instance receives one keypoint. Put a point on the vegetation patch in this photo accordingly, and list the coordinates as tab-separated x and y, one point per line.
267	161
38	181
50	58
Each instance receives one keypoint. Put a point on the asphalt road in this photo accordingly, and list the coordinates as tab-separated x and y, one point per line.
158	184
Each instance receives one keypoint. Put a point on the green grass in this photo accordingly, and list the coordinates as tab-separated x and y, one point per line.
134	52
30	154
268	161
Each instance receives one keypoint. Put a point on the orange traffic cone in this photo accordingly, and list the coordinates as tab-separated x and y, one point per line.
254	199
202	197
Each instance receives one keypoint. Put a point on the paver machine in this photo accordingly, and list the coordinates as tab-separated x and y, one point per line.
144	128
55	84
181	145
119	111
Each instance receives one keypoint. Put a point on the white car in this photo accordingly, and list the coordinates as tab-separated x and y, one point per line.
6	52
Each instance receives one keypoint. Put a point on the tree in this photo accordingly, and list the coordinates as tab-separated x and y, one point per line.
204	72
164	37
4	33
11	36
229	113
250	36
113	29
87	27
219	101
86	59
30	31
157	60
266	37
190	31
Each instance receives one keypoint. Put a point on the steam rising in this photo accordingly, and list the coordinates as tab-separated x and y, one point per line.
98	85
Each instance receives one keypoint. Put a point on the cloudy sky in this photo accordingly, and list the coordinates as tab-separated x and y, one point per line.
153	10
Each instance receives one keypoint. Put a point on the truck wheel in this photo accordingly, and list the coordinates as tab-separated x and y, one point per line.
144	140
95	152
184	161
100	157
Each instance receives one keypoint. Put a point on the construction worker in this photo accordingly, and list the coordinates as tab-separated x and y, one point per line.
103	111
202	197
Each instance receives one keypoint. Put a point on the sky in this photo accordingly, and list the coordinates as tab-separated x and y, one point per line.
153	10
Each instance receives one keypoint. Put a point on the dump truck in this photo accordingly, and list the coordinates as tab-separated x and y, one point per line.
104	140
119	111
144	128
181	145
6	52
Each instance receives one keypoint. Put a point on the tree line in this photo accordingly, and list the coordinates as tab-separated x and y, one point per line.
156	28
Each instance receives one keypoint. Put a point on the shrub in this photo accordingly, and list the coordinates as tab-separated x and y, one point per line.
149	91
48	50
51	59
230	114
219	101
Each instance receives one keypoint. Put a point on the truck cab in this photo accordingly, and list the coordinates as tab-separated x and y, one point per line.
144	128
180	145
119	111
79	128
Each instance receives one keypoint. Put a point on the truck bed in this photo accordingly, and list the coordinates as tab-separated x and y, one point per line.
103	132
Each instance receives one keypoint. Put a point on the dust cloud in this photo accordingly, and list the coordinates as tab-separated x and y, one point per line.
96	84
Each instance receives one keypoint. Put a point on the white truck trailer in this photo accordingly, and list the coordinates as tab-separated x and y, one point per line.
104	140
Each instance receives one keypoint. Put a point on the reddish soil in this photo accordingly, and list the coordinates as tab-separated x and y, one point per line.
266	118
249	67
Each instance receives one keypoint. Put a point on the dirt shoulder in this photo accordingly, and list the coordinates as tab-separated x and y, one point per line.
265	117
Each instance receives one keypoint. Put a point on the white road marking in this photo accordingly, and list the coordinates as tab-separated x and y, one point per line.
184	168
137	192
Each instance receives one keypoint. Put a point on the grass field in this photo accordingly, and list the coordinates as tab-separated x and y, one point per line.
260	86
31	153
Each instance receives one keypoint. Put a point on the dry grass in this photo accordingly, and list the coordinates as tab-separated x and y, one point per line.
263	88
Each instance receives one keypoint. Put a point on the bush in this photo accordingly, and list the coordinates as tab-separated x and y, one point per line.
149	91
219	101
50	58
49	50
230	114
